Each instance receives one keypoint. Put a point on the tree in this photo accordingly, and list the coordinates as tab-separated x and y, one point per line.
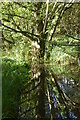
43	22
36	24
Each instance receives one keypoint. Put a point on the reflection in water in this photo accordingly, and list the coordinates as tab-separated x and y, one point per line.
72	90
48	97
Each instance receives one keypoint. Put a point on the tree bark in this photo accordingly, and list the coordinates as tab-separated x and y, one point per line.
40	97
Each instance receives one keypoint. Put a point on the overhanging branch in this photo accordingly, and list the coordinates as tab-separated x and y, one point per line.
65	7
14	15
4	39
45	23
72	37
25	33
57	22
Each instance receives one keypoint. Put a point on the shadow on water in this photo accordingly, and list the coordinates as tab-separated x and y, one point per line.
46	95
52	96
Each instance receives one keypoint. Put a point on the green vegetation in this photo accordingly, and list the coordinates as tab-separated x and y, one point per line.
15	75
40	63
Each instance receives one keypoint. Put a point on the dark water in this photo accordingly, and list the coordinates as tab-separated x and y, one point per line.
52	93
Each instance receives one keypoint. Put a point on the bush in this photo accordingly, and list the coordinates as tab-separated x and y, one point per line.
14	76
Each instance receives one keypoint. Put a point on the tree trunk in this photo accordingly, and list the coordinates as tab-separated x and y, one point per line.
40	97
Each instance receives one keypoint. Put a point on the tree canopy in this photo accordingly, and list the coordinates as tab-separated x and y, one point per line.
44	36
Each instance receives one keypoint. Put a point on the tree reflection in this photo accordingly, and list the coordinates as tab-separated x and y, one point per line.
46	98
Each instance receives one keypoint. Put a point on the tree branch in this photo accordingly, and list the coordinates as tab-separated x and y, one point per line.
20	4
57	22
14	23
67	44
65	7
45	23
25	33
15	15
72	37
4	39
64	96
28	91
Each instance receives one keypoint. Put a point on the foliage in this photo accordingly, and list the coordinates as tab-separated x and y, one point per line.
29	19
14	77
39	33
70	21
